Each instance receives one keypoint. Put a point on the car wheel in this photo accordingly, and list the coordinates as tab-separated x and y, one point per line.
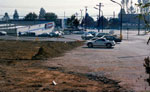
90	45
108	45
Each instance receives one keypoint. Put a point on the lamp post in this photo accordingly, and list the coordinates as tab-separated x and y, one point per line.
120	17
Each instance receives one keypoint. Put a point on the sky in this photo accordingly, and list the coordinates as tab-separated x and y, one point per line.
60	7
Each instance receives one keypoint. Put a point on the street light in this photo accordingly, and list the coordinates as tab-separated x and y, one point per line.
120	18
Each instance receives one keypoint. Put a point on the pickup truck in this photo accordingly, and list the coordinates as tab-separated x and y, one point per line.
100	42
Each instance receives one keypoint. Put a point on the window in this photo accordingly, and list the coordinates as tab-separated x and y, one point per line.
100	40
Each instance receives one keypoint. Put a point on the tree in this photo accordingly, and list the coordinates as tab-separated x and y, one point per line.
42	13
114	23
6	17
132	9
144	6
123	2
103	22
127	6
16	15
31	16
50	16
146	9
140	2
73	22
88	21
76	23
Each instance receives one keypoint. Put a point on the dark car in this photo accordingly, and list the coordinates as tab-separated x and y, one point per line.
31	34
53	34
112	38
3	33
43	35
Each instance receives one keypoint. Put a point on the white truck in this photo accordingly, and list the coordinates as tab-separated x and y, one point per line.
38	29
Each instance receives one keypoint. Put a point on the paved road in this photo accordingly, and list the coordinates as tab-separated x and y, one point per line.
124	62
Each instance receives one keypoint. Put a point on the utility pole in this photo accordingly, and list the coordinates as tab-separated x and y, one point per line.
114	14
64	14
81	12
81	19
85	17
99	8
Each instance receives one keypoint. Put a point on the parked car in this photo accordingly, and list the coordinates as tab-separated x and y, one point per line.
100	42
95	38
92	32
87	36
3	33
53	34
32	34
43	35
78	32
112	38
101	34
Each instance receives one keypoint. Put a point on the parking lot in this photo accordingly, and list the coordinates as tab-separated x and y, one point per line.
123	63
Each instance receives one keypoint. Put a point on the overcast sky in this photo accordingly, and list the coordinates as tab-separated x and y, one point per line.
57	6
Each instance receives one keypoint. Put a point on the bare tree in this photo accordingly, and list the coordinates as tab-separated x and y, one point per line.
140	2
127	6
123	3
145	10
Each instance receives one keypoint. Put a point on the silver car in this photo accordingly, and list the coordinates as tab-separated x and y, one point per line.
100	42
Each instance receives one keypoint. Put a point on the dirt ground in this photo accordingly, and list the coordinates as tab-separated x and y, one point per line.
25	76
22	70
123	63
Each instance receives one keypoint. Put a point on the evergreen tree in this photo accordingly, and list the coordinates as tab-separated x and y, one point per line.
88	21
16	15
50	16
42	13
6	17
73	22
30	16
103	22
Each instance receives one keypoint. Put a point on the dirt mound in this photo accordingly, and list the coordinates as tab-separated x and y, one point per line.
27	50
21	70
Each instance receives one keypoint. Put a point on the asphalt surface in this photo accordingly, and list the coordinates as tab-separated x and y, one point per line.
123	63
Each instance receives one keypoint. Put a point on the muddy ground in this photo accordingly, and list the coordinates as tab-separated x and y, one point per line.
22	70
